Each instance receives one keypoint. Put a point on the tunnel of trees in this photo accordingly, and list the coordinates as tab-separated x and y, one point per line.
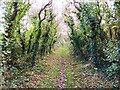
93	31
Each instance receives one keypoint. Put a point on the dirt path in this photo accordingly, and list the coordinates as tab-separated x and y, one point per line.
62	71
56	77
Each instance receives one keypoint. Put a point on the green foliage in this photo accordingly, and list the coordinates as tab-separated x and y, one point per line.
38	68
91	40
13	38
18	41
111	57
111	51
85	32
46	35
20	44
63	51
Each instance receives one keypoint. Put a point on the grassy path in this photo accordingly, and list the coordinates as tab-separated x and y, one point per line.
62	71
54	69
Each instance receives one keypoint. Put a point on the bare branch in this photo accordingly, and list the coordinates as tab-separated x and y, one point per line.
44	15
42	9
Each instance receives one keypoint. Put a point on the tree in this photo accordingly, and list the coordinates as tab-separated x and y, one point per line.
40	20
14	12
94	40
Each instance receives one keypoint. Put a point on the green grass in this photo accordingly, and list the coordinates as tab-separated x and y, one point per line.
63	51
47	84
69	78
52	72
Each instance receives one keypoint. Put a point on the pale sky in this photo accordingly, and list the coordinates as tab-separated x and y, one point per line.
37	4
58	6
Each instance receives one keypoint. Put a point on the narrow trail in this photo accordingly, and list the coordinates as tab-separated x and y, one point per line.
56	70
62	71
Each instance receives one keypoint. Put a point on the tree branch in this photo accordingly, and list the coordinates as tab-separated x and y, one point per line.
42	9
44	15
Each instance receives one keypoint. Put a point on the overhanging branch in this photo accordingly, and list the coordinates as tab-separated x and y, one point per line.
42	9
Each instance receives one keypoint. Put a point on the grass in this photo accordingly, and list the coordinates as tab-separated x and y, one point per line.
69	78
63	51
52	72
46	73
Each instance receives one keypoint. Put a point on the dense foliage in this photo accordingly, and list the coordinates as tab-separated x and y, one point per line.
22	44
89	58
94	40
19	41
